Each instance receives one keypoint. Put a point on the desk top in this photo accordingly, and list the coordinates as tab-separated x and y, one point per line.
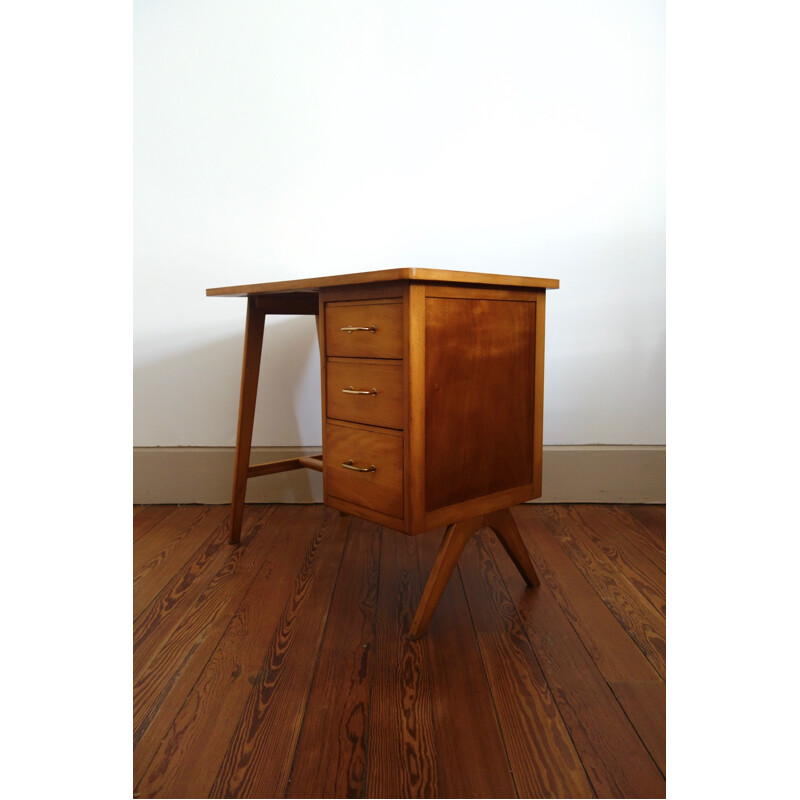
382	276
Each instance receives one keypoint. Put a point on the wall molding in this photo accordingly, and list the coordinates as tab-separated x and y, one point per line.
571	474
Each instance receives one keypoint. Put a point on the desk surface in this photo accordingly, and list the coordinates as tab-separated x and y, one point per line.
383	276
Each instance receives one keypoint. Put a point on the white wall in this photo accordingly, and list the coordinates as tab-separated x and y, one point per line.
278	140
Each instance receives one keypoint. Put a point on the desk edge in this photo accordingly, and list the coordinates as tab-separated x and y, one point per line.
383	276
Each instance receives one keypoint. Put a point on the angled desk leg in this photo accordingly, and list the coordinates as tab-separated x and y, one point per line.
251	363
455	540
502	523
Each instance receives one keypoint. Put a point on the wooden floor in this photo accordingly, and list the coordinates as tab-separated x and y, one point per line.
282	668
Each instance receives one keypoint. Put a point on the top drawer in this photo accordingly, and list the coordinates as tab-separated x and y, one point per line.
364	330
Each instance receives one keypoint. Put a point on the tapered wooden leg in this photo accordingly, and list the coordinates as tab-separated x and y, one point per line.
453	543
502	523
251	362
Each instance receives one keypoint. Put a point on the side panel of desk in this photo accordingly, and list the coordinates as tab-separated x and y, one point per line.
483	413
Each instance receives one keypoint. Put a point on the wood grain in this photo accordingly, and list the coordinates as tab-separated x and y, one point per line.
166	675
645	703
632	533
613	651
257	651
486	292
147	517
465	723
381	489
479	405
168	610
477	507
604	531
541	753
450	548
615	760
503	524
258	759
369	514
158	562
383	276
385	408
647	534
331	752
414	372
359	292
162	536
385	342
635	613
401	749
206	672
653	517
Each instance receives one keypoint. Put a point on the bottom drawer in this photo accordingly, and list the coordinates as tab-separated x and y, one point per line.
381	488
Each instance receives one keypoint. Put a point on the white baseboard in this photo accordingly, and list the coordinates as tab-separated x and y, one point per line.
571	474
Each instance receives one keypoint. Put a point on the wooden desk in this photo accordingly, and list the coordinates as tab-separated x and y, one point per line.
431	402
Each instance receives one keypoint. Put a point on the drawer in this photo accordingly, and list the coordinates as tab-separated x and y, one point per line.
383	337
381	488
382	405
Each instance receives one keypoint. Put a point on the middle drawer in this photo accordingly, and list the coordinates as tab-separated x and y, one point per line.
361	390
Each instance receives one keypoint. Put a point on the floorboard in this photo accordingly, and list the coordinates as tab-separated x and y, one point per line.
197	687
611	751
401	749
188	525
282	667
543	759
260	752
464	717
606	534
645	703
613	651
653	517
331	752
146	517
636	614
168	610
641	536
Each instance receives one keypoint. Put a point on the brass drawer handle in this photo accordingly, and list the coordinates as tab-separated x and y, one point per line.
351	390
352	328
349	465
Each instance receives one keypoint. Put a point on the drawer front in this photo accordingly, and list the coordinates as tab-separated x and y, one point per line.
383	337
381	489
382	405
